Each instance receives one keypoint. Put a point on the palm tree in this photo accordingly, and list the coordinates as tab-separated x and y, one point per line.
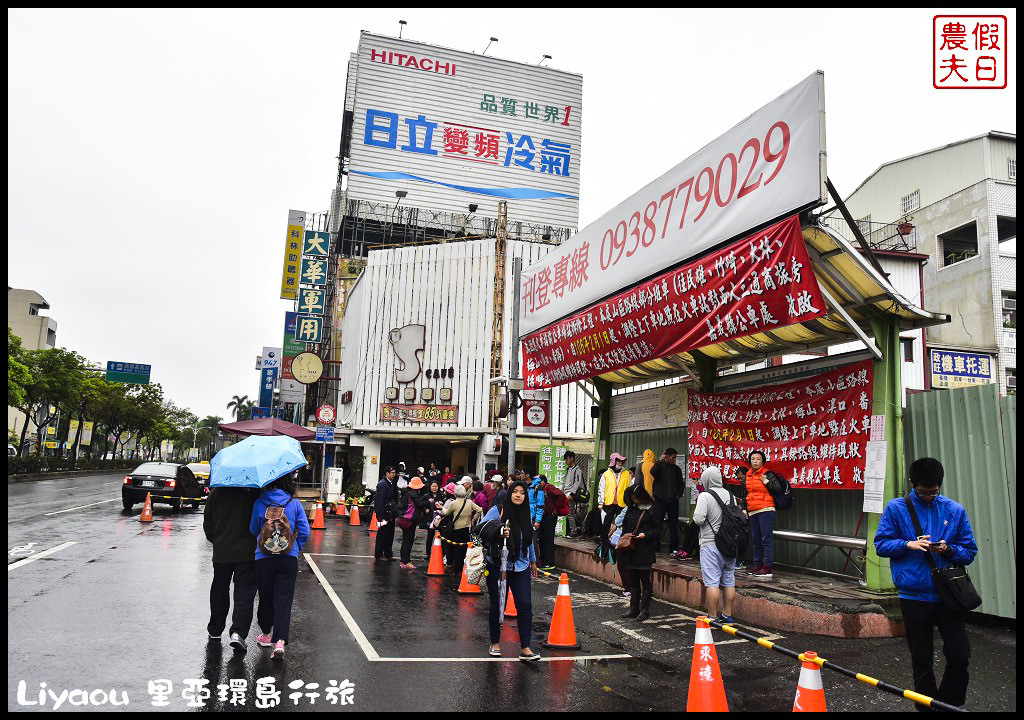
247	410
208	425
237	405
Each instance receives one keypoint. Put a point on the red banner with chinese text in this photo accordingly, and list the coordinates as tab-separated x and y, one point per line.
813	431
759	283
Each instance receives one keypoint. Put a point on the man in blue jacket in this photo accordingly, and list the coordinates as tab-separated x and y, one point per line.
946	534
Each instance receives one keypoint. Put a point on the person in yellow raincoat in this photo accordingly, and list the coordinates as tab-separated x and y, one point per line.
613	486
645	468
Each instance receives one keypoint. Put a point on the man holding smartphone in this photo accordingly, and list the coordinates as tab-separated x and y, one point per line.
946	534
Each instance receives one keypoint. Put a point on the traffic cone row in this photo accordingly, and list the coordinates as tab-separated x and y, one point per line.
341	510
147	510
436	566
810	693
353	518
707	692
510	606
318	518
373	523
562	634
464	587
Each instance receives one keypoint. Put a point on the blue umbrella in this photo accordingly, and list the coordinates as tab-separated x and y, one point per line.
256	462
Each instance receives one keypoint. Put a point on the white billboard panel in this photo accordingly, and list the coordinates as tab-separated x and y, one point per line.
765	167
451	128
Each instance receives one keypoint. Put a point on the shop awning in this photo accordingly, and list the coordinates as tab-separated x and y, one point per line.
533	444
857	289
425	437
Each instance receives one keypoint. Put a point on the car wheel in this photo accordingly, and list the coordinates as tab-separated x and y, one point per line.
176	505
195	505
128	504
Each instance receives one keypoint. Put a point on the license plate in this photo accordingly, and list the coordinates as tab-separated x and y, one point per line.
148	483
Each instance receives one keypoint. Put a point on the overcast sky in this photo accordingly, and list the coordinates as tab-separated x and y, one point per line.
153	156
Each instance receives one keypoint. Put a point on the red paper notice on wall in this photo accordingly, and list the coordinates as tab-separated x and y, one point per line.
759	283
813	431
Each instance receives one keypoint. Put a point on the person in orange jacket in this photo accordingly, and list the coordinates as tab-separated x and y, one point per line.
761	512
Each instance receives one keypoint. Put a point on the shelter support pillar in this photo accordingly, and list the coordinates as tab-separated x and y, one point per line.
601	435
707	369
886	400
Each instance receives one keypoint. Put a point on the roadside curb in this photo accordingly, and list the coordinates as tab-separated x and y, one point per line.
759	604
29	477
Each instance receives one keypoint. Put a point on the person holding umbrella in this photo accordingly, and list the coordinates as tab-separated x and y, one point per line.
236	475
507	534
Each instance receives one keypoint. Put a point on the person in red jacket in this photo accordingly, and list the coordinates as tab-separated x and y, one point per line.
553	499
761	512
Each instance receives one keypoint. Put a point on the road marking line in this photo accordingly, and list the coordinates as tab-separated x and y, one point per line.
337	555
82	506
42	554
577	658
614	624
372	654
367	648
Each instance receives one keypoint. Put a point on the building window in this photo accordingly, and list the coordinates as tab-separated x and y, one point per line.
864	225
1011	381
1011	168
907	345
960	244
910	202
1010	310
1006	227
51	338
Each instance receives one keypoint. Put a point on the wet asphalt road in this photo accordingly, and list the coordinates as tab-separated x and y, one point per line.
127	603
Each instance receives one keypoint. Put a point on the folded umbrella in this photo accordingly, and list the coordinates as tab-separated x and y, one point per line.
256	462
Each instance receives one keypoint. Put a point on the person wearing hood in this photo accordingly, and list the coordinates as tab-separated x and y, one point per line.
645	470
462	510
668	487
718	572
402	482
761	511
281	529
510	526
416	504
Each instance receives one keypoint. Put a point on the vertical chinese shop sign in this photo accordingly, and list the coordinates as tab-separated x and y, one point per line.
813	431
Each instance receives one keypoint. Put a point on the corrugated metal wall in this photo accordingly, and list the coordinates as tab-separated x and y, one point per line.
972	431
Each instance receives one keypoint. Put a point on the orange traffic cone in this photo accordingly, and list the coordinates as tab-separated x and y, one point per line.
341	510
436	566
707	693
464	587
353	518
312	512
562	634
510	606
373	523
810	694
318	521
147	510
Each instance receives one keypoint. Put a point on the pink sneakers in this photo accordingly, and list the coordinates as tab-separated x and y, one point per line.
264	640
278	653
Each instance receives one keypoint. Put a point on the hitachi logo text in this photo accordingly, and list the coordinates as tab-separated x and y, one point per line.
426	64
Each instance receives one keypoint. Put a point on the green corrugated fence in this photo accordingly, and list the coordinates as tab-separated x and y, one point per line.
972	432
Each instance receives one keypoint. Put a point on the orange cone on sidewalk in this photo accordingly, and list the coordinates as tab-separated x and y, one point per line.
464	587
341	510
562	634
373	523
436	566
510	606
810	694
147	510
707	692
318	520
353	518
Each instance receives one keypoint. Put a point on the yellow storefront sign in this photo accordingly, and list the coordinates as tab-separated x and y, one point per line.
292	254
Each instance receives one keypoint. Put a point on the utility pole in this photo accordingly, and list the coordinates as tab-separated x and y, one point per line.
513	378
498	323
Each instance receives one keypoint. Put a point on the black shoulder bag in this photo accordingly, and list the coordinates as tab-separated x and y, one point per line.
953	585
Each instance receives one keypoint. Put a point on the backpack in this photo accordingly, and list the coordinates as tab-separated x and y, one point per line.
562	506
276	535
734	530
780	490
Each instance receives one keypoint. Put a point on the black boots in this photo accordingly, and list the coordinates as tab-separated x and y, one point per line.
645	606
634	604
